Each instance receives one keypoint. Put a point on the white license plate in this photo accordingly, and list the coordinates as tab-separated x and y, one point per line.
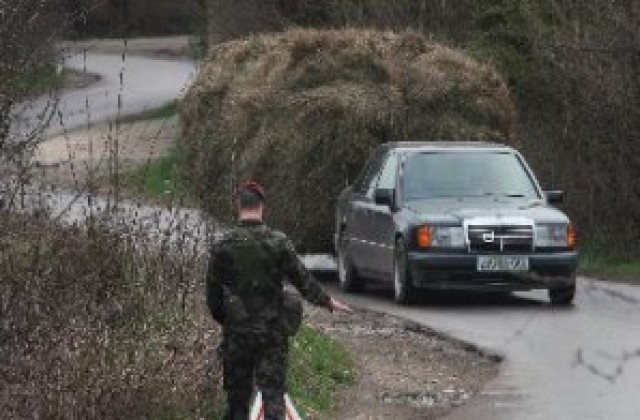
503	263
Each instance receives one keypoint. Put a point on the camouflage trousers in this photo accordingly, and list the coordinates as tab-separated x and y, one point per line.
259	359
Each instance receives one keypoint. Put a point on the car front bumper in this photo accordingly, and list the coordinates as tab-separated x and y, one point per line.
458	271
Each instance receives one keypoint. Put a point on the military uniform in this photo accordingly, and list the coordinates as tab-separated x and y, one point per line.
245	294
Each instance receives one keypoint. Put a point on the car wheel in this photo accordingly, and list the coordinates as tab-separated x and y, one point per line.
404	292
563	295
348	276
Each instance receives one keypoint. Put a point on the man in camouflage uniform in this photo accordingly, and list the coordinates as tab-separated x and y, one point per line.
244	293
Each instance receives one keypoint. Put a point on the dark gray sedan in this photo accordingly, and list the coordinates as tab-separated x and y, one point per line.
453	216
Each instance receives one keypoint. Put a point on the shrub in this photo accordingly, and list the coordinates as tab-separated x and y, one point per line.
301	110
97	326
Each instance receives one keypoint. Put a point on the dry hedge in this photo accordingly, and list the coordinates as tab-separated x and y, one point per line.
93	326
301	110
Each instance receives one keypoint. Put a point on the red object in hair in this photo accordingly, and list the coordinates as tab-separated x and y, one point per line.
252	186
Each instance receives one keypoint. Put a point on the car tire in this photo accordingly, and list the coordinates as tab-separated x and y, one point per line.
348	276
403	290
563	296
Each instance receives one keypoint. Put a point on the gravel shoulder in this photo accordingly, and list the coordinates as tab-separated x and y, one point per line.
404	372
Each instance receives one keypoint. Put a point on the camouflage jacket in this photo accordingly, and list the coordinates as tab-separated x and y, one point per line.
245	277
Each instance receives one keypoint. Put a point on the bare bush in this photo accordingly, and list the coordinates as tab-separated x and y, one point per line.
97	325
101	313
26	57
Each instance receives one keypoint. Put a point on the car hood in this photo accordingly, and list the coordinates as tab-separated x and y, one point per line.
456	210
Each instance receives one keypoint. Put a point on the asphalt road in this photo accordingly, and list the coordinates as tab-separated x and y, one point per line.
580	363
146	83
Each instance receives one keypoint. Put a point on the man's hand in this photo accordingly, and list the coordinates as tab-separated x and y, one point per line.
337	306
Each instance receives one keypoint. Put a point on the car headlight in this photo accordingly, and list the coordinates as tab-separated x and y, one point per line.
447	236
558	235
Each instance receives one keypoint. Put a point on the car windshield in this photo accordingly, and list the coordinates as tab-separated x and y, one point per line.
466	174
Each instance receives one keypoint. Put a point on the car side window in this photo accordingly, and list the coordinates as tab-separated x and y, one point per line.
387	177
377	171
368	176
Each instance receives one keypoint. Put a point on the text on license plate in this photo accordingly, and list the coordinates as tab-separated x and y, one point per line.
503	263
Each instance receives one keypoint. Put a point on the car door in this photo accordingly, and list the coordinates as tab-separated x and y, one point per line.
358	214
381	224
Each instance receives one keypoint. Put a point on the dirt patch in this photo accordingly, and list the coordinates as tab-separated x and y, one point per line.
69	159
171	47
404	372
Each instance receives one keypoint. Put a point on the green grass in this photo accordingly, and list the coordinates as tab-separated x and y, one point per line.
610	267
38	81
319	368
158	178
168	110
197	48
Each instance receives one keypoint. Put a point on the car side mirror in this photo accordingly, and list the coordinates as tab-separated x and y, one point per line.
384	197
554	197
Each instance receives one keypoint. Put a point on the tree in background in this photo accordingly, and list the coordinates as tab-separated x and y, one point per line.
573	71
128	18
27	64
24	46
229	19
574	74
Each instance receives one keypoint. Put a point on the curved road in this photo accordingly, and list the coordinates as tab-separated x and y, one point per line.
146	83
577	363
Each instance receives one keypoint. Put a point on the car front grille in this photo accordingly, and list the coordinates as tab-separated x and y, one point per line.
502	238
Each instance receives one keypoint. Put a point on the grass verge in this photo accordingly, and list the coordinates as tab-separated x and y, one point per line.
38	81
168	110
610	267
319	367
158	178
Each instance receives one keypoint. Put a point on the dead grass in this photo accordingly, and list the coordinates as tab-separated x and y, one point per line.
301	110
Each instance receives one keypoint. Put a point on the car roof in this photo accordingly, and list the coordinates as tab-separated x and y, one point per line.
414	146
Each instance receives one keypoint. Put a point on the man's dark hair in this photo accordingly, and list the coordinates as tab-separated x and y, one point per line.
250	195
249	199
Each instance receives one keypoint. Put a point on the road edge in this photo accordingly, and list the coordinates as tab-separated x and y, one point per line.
493	355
